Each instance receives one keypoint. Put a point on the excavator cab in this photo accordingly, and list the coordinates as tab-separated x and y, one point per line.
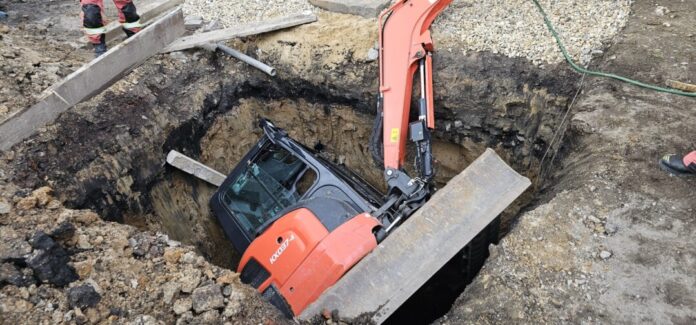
283	192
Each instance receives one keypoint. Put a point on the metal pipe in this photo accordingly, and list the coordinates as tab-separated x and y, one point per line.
247	59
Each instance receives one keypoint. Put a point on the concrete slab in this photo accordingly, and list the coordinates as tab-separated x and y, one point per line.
215	36
415	251
91	78
195	168
365	8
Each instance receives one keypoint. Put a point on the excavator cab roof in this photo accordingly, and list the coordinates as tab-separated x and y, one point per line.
279	175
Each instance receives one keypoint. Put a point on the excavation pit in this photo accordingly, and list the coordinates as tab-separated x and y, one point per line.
108	154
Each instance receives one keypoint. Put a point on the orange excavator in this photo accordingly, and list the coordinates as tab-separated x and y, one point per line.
302	222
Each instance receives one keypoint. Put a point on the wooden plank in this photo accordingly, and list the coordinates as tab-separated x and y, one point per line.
193	167
241	31
415	251
91	78
147	12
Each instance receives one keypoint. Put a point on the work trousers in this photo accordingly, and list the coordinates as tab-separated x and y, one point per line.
690	159
93	18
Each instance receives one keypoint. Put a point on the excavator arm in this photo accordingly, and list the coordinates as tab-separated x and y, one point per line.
405	47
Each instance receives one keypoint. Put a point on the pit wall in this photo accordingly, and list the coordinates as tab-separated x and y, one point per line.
108	154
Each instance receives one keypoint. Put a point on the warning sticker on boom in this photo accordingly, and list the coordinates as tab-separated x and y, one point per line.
394	135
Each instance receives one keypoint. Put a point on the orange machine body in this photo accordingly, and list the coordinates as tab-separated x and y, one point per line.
297	246
404	40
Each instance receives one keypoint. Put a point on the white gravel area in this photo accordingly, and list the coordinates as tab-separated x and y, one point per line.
515	28
230	13
510	27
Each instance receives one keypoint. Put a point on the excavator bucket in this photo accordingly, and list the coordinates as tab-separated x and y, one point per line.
418	248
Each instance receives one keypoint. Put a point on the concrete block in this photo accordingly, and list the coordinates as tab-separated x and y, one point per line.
195	168
365	8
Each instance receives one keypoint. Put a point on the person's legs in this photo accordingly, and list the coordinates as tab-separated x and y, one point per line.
690	161
128	17
93	23
681	165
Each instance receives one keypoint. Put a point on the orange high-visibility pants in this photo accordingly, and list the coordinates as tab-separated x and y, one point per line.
690	159
93	18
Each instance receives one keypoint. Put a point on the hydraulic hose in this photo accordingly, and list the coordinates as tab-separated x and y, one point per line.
580	69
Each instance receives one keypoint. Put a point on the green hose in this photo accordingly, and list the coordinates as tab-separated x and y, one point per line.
599	73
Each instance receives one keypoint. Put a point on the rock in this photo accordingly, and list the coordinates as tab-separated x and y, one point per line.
365	8
207	298
86	217
208	317
182	305
43	195
234	303
140	243
186	318
372	54
172	255
84	268
27	203
64	232
53	205
169	290
143	320
49	261
227	291
605	255
12	246
228	277
83	242
11	274
5	207
661	11
80	317
189	258
189	280
83	296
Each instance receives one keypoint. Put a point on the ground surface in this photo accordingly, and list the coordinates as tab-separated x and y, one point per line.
617	244
610	240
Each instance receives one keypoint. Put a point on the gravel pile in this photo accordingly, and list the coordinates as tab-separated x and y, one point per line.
233	13
515	28
510	27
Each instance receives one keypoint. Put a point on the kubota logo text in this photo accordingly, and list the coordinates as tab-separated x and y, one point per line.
282	248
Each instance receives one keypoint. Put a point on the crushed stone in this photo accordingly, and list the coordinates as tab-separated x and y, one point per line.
512	28
515	28
235	13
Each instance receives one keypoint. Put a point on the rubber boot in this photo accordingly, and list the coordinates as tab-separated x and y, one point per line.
99	49
674	164
128	32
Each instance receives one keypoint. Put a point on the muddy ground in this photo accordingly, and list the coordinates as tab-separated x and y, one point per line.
602	192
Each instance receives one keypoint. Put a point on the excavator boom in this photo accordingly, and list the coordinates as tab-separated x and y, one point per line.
405	46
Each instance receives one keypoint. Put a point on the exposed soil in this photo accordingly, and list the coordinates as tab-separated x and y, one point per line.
616	245
39	48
